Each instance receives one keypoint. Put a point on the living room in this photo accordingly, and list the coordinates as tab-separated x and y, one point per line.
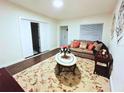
54	24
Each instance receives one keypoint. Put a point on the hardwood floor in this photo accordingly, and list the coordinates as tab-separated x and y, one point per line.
15	68
8	83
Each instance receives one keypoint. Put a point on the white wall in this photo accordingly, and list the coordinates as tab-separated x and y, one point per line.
117	50
74	27
10	44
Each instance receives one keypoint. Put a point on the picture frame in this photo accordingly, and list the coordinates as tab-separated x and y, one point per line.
120	23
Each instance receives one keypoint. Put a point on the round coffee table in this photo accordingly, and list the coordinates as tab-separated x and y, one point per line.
66	64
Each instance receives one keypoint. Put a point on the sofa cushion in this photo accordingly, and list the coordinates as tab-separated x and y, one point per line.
87	51
77	49
82	50
83	45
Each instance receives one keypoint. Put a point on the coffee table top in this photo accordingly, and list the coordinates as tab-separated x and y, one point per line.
71	60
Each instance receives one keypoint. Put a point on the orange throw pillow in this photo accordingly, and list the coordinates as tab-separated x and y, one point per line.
91	46
75	44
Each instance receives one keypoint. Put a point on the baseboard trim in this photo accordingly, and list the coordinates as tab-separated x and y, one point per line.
14	62
28	62
111	85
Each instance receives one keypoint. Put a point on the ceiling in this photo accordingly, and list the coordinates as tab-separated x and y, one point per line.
71	9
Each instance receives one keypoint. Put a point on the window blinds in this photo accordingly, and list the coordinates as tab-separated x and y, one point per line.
91	32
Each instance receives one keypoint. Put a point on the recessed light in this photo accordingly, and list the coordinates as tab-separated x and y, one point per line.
58	3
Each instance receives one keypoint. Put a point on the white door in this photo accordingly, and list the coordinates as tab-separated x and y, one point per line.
44	37
64	35
26	38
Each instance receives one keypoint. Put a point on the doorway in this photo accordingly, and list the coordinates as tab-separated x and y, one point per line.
63	35
35	37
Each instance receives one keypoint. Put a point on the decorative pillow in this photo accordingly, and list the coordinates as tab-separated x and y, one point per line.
89	44
71	45
90	47
95	44
75	44
98	47
83	45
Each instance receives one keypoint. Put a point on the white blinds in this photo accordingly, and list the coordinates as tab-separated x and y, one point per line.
91	32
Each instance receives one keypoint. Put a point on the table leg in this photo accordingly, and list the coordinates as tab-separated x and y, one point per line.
95	67
59	69
74	69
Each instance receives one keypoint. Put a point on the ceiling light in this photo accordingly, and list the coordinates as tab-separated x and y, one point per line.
58	3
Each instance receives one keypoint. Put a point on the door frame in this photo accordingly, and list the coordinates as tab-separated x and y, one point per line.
39	45
31	20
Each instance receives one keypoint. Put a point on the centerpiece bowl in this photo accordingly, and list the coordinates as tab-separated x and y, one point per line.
65	50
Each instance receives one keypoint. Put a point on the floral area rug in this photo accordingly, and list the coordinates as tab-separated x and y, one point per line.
42	77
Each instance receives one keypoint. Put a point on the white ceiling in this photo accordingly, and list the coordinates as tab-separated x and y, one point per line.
71	8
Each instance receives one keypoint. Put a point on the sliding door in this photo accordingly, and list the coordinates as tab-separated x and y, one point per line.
26	38
44	37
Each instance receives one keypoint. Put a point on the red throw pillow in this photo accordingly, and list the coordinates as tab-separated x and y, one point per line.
89	43
91	46
75	44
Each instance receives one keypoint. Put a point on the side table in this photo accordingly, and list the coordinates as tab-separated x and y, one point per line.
103	65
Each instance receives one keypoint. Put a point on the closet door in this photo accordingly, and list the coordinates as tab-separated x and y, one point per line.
26	38
44	37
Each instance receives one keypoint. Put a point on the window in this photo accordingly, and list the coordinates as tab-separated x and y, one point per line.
91	32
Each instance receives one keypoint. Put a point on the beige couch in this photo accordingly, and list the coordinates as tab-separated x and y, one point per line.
83	52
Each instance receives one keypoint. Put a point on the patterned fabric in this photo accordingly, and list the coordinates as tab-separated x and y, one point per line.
91	47
75	44
82	50
42	77
83	45
98	47
77	49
